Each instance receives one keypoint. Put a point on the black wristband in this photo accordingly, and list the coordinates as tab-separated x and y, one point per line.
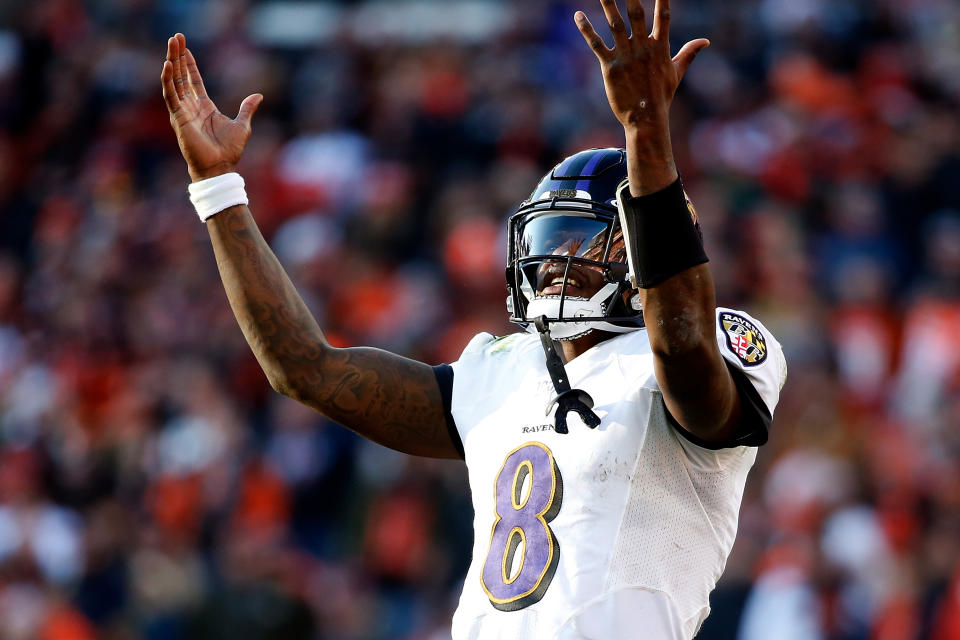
660	235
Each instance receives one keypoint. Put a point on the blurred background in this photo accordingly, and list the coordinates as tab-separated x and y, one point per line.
152	486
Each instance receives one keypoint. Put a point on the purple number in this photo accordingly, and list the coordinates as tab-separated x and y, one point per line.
521	527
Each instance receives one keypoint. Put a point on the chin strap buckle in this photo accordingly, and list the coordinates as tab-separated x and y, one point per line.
567	399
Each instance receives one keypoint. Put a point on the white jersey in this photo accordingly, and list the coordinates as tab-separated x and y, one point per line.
616	532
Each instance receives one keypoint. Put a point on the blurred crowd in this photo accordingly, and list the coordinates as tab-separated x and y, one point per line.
153	486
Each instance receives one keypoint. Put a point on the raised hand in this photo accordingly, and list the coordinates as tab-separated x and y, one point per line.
638	73
640	79
210	142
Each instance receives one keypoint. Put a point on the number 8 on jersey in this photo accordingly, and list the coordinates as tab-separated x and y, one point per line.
522	525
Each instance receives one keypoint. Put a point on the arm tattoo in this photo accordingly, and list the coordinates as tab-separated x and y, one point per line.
387	398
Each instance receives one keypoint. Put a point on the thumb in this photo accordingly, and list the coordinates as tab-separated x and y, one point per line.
249	107
687	53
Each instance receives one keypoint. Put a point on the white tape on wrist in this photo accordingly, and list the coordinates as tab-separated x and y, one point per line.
215	194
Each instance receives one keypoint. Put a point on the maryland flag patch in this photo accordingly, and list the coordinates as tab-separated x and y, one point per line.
744	339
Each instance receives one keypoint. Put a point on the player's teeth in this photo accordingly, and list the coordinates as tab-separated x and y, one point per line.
571	283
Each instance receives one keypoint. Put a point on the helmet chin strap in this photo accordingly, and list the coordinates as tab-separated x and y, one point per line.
575	307
546	311
567	399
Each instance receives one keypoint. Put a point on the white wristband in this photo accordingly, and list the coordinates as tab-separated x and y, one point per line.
215	194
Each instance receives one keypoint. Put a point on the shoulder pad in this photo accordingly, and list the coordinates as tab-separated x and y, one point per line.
477	343
503	344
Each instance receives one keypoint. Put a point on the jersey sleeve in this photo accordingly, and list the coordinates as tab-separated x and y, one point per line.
444	375
750	349
455	379
758	368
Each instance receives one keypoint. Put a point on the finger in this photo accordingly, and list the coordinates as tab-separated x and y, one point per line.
181	82
594	41
614	20
173	53
687	53
193	75
661	21
249	107
636	16
169	89
171	49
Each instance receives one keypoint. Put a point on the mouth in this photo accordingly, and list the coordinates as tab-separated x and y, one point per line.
555	286
581	282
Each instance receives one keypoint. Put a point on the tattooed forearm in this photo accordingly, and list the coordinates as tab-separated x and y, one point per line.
389	399
394	398
277	324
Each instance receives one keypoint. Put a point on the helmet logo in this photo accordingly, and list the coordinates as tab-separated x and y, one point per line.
563	193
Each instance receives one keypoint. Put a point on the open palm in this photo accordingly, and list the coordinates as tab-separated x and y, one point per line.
210	142
639	75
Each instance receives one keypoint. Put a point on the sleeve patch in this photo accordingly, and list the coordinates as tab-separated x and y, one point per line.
744	339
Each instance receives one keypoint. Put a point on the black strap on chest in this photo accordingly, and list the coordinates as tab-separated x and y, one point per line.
567	399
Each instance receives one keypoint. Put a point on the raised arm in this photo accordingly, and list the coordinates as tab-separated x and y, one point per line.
387	398
640	79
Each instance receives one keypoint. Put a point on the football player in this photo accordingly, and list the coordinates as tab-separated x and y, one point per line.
607	446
